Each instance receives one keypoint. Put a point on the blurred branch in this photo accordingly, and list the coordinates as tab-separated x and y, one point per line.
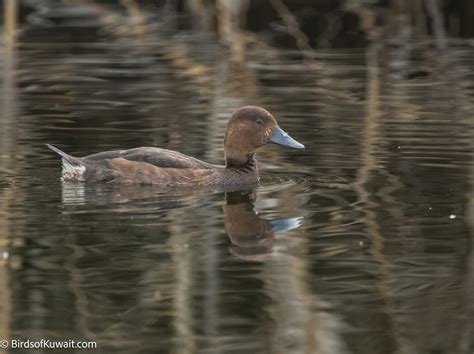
202	14
334	25
9	20
230	15
292	25
437	24
138	20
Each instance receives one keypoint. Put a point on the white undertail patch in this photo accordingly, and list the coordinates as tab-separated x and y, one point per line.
72	172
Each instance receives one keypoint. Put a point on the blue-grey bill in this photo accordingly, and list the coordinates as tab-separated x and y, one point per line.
280	225
281	137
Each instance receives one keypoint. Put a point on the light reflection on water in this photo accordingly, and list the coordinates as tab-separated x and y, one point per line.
359	244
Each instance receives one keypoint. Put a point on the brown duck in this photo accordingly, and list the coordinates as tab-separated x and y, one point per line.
248	129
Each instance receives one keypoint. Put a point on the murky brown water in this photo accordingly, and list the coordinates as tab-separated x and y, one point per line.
359	244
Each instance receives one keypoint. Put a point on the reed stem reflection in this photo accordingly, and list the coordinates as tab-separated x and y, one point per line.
8	167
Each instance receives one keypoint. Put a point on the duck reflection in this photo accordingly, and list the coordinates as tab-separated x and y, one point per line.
252	237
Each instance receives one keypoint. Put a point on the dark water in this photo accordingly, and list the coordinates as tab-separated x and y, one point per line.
362	243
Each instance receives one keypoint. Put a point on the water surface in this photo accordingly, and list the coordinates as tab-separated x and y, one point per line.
359	244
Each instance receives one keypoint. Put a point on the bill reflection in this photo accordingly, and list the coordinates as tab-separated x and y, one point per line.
252	237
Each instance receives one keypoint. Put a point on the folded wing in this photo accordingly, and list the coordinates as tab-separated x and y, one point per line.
157	157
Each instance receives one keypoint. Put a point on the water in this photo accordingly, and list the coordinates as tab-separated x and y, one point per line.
359	244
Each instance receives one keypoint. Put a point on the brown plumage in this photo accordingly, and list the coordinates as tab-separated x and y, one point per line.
248	129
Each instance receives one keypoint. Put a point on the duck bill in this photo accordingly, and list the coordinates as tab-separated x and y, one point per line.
281	137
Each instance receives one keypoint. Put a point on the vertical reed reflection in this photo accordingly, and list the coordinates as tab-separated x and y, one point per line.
301	322
371	137
8	151
211	283
9	76
182	266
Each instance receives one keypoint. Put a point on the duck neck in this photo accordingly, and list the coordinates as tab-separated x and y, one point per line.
242	162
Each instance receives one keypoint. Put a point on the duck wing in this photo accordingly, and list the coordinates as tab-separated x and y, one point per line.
157	157
146	165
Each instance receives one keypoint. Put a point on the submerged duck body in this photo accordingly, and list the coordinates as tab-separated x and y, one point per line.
248	129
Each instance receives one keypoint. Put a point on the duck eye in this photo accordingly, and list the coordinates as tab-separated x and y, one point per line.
259	121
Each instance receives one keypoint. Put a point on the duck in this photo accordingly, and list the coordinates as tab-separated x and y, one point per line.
248	129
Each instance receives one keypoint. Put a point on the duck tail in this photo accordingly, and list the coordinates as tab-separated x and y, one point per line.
70	159
73	167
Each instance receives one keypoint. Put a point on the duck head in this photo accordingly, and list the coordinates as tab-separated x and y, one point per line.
250	128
